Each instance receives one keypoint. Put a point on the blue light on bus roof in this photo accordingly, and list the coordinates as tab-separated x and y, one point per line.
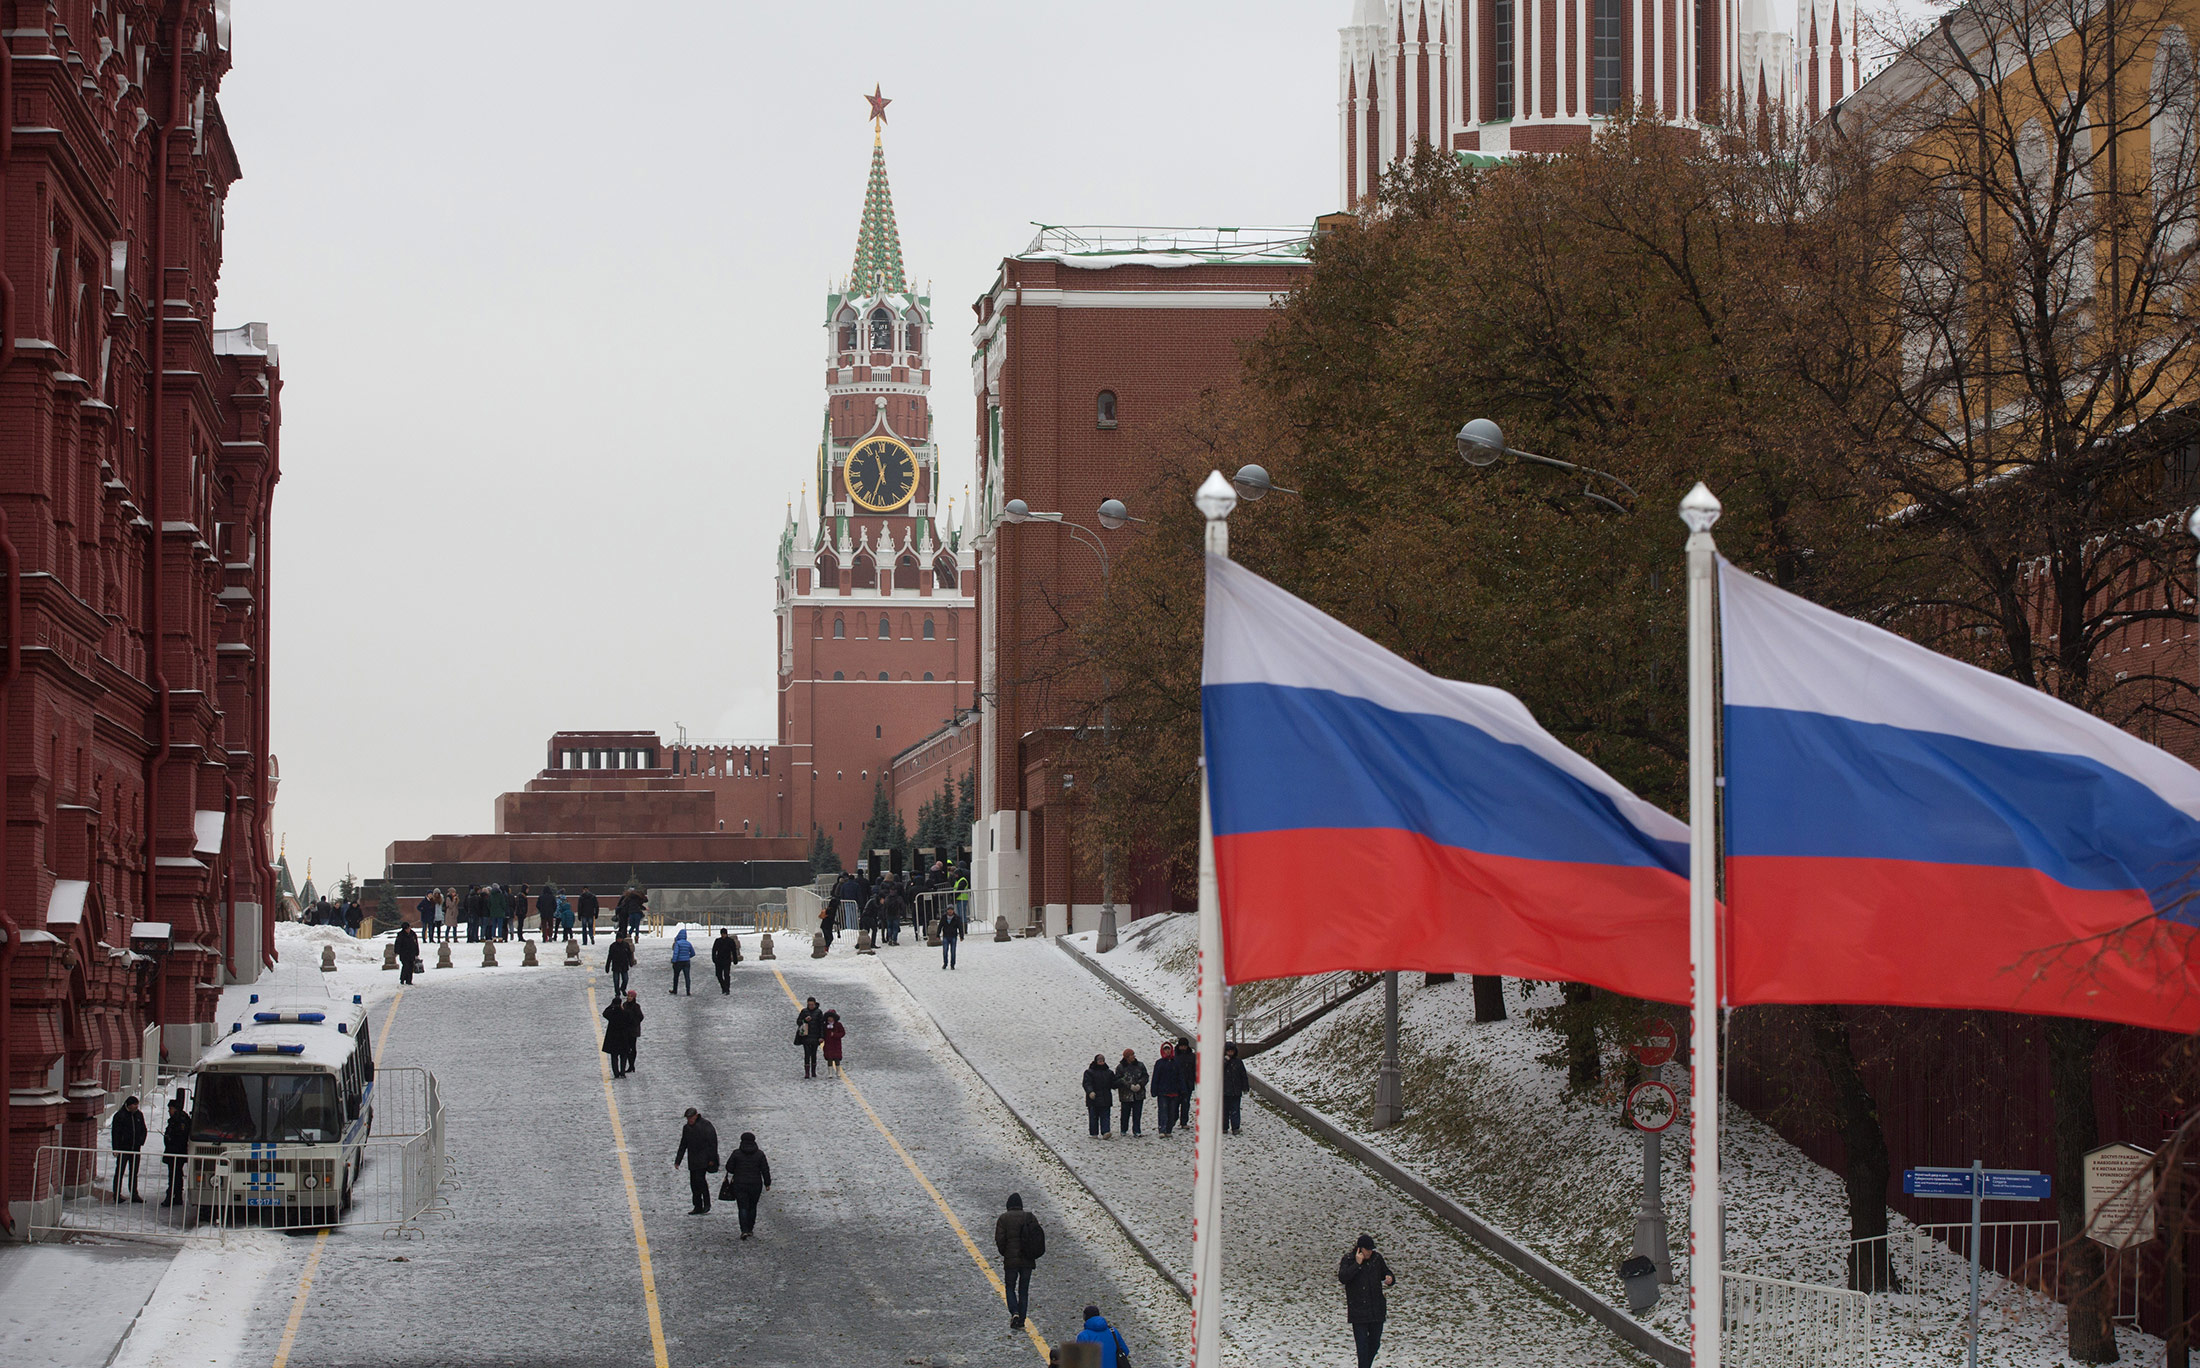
265	1047
342	1028
356	999
255	997
302	1018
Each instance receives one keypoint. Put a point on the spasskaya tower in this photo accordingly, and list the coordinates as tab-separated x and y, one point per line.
877	586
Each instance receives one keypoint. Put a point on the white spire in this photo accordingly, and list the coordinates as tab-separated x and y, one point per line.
1366	12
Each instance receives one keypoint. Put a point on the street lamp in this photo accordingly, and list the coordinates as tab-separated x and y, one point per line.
1482	444
1254	484
1112	515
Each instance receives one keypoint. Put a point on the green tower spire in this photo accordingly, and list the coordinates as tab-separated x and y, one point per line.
878	243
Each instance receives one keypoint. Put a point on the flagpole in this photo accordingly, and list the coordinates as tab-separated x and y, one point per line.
1217	498
1706	1280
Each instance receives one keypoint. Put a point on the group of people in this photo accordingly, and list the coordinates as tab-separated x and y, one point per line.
882	906
819	1031
725	952
748	1172
347	914
1171	1081
1021	1242
126	1136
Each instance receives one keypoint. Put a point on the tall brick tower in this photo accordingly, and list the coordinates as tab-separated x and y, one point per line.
877	590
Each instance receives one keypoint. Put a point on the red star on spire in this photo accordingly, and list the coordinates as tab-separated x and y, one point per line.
878	103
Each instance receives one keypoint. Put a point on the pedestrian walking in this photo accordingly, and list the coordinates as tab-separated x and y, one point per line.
951	932
523	903
1168	1089
631	906
588	917
1099	1096
426	908
725	952
748	1174
407	946
565	919
175	1149
1114	1353
699	1147
126	1137
896	906
1365	1275
619	959
1130	1090
622	1032
1234	1085
683	968
834	1034
547	903
809	1033
1021	1241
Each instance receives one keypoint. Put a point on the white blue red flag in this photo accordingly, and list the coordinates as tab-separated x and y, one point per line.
1905	828
1368	815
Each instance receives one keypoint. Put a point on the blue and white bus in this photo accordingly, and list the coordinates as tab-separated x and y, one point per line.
281	1108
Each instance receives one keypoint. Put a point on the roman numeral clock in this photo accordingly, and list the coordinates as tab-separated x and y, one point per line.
882	474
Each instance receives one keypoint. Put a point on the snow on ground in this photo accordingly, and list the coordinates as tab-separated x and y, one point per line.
1491	1127
198	1316
103	1285
1029	1019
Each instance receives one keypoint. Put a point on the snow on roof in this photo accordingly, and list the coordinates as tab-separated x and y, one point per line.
1117	245
65	906
151	930
206	826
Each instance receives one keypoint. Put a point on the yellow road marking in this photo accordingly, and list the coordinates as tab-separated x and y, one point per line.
633	1198
298	1303
320	1242
1038	1341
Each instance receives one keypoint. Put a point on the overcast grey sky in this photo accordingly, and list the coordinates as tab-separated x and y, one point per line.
548	276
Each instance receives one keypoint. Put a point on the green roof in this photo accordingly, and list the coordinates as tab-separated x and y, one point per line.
878	267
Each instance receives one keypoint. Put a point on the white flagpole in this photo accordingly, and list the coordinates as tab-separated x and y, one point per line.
1707	1293
1216	498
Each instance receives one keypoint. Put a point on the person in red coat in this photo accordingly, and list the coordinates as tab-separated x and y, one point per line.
834	1034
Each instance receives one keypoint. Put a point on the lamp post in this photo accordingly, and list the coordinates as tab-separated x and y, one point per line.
1112	515
1482	444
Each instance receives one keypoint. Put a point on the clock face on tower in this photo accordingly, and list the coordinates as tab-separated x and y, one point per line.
882	474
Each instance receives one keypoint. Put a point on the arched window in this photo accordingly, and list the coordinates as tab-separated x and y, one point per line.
2171	136
928	634
944	573
840	629
847	329
882	329
885	631
882	676
838	675
1104	409
906	573
927	676
913	335
866	571
828	572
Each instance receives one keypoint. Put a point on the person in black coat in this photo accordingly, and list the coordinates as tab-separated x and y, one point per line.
1234	1086
1130	1087
127	1137
1099	1096
622	1032
1168	1089
725	952
809	1033
588	910
546	909
619	959
175	1145
1020	1240
699	1147
1365	1275
748	1173
407	946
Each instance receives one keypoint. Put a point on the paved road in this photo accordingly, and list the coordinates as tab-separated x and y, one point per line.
854	1261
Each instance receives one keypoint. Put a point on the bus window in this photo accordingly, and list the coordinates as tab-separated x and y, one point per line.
303	1107
228	1107
235	1107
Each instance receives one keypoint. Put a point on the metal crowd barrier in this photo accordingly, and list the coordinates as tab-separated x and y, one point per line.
1774	1323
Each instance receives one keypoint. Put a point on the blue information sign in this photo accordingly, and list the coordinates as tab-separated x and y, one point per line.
2001	1185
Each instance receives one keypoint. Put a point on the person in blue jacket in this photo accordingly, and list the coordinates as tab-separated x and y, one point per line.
1114	1353
682	969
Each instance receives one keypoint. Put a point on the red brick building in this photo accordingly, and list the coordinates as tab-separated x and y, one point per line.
138	458
1087	341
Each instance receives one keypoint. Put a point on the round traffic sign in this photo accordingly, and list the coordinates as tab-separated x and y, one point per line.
1652	1107
1659	1043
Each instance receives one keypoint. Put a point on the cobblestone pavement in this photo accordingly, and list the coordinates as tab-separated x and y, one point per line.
854	1262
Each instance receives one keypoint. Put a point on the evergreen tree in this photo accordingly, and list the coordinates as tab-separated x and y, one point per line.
886	830
823	858
966	807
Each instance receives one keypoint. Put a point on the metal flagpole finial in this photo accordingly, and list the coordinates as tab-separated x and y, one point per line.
1217	497
1700	509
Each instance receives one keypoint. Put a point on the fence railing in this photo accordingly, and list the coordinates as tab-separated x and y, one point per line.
396	1176
1305	998
1776	1323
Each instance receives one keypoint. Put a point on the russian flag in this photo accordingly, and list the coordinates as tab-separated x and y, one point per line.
1368	815
1904	828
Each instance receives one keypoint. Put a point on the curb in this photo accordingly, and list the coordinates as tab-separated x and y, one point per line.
1129	1234
1556	1280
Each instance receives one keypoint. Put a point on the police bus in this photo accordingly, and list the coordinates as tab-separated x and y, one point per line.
281	1109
